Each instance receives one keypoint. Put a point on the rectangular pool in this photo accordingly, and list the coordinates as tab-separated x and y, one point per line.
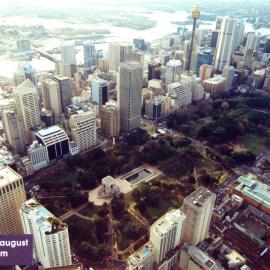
138	176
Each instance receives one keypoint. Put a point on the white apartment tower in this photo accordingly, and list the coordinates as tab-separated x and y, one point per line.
198	207
130	96
52	97
226	42
83	129
13	131
166	233
28	107
12	195
68	53
51	239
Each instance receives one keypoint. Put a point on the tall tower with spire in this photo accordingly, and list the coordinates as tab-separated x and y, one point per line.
195	16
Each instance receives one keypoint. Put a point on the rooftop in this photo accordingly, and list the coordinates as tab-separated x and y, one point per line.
46	221
201	258
199	196
7	176
255	190
163	224
138	257
216	80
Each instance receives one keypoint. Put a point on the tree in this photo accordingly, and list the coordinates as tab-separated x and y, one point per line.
76	199
118	206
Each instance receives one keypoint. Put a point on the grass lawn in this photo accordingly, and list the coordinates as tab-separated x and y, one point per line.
124	236
162	206
254	143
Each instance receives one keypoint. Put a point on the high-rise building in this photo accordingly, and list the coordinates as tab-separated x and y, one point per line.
166	233
219	22
28	107
51	245
83	129
182	92
154	71
89	54
56	142
214	39
114	56
226	42
52	97
110	119
229	74
173	71
68	53
13	131
12	195
193	258
266	85
203	58
215	86
253	42
206	72
99	92
198	207
38	156
66	90
130	96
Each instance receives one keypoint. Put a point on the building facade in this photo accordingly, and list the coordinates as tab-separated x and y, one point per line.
130	95
56	142
28	107
166	233
13	131
12	195
110	119
198	208
51	245
83	129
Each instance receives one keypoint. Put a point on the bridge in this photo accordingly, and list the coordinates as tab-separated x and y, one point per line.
46	55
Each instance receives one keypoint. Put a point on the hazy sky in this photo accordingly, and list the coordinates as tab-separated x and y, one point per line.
116	3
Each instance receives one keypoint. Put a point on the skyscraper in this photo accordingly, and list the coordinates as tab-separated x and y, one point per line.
198	207
130	96
253	42
110	119
51	239
51	97
99	91
228	73
166	233
12	195
173	70
226	42
89	54
68	53
28	107
66	90
114	56
83	129
13	131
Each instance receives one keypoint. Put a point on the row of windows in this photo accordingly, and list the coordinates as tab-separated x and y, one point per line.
11	186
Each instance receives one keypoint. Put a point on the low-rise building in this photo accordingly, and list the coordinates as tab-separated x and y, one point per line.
193	258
